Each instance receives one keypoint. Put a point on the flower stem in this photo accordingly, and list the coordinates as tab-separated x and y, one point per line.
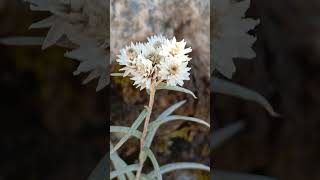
145	129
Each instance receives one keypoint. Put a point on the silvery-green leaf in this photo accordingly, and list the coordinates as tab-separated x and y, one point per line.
221	135
154	162
125	130
119	164
101	171
134	127
175	88
226	87
23	41
129	168
179	117
225	175
179	166
170	110
116	74
153	126
152	130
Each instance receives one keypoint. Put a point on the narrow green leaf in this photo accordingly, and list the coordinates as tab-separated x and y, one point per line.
226	87
119	164
125	130
129	168
116	161
153	126
154	162
170	110
134	127
179	166
179	117
175	88
101	171
116	74
152	130
221	135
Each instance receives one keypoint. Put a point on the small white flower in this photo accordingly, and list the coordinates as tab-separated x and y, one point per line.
174	71
157	41
174	48
142	74
128	55
152	54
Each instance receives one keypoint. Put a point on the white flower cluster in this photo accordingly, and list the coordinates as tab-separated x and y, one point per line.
158	60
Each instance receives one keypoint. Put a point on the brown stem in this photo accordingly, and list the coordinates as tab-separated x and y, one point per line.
145	128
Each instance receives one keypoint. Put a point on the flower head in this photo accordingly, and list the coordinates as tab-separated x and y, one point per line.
229	34
173	48
158	60
174	71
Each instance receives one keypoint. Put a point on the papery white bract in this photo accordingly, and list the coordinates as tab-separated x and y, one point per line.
157	60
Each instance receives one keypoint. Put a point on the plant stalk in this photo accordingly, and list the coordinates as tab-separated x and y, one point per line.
145	129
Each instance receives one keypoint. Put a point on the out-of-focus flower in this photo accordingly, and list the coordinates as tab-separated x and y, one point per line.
157	60
229	34
85	23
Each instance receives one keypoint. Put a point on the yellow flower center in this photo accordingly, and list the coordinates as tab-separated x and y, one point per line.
173	69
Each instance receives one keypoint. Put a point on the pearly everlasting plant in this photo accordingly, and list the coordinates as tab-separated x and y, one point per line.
157	64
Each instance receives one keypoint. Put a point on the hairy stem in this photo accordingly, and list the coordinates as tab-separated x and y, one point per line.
145	129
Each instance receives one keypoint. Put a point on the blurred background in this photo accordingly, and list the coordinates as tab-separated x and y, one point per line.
286	72
52	127
177	141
